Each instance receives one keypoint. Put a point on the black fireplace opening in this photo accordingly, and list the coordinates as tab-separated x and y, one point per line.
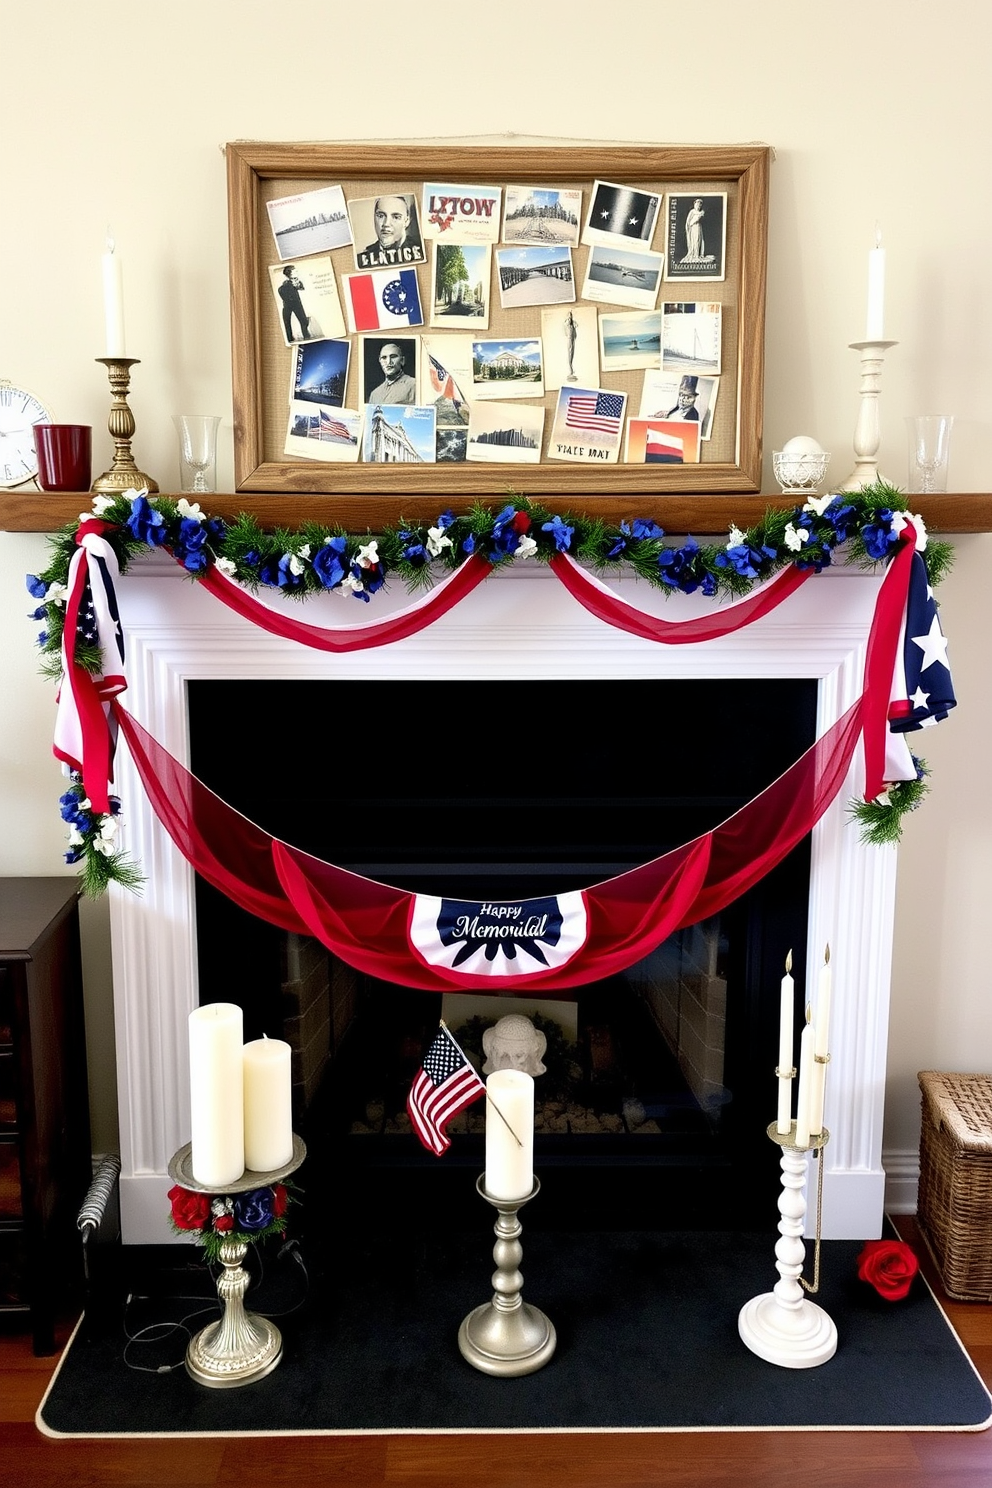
659	1081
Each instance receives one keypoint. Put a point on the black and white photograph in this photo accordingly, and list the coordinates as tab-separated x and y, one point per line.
386	231
403	436
618	276
446	378
620	214
306	296
507	369
319	372
312	222
540	214
451	445
466	214
508	435
629	340
696	235
460	276
317	432
534	276
570	341
388	369
588	426
690	337
690	398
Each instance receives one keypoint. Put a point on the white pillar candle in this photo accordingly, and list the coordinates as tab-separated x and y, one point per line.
216	1094
509	1134
875	324
113	300
806	1065
785	1036
268	1104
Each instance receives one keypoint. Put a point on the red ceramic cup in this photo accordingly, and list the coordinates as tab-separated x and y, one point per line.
63	456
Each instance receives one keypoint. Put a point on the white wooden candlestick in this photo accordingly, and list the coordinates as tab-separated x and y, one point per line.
783	1325
868	430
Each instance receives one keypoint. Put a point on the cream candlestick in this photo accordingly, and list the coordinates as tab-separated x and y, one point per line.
509	1134
268	1104
785	1037
216	1094
113	299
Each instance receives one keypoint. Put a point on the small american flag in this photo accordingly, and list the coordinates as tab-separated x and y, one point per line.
601	413
445	1084
334	428
442	381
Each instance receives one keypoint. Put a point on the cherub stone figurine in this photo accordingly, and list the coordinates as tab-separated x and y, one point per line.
514	1043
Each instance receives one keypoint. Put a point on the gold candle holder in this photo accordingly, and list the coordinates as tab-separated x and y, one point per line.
123	474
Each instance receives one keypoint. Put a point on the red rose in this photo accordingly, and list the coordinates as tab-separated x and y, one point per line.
521	522
190	1211
889	1266
224	1222
280	1198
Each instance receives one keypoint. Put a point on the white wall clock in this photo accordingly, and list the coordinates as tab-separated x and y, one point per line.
19	411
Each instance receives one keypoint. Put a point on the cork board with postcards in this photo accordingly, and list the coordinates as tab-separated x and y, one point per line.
435	324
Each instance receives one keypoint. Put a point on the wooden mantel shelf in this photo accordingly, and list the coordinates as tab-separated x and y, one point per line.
40	511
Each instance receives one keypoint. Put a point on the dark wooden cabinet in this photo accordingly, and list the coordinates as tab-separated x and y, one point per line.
45	1164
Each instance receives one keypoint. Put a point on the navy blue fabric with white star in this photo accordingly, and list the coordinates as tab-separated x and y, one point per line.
929	689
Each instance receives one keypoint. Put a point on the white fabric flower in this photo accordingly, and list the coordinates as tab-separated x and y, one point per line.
104	845
100	505
795	537
818	504
227	566
349	582
108	828
295	564
191	509
56	594
526	548
437	541
305	551
736	537
368	556
75	838
883	798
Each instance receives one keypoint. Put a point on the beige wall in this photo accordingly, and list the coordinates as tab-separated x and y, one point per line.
877	112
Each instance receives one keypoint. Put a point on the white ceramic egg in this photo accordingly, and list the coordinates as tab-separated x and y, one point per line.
802	444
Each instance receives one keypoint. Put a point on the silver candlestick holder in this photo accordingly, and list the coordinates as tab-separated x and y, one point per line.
240	1347
507	1336
783	1325
868	430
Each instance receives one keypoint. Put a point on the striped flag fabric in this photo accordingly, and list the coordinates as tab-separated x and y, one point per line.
443	383
663	449
596	413
444	1085
334	429
382	300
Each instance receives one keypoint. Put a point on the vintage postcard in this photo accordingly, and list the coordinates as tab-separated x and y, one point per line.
507	369
468	214
690	338
661	442
398	435
690	398
616	276
451	445
629	340
306	296
510	435
460	286
446	378
386	231
538	214
534	276
620	215
313	222
383	301
588	425
570	338
387	369
319	372
696	236
319	433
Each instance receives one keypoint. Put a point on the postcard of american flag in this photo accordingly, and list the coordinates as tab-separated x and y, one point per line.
588	426
323	432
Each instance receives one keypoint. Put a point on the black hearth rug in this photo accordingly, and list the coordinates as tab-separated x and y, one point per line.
647	1340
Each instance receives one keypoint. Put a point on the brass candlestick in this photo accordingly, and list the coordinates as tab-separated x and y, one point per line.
123	474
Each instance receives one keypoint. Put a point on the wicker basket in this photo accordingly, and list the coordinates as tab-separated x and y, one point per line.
954	1210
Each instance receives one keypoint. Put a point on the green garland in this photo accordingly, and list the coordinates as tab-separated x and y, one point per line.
318	557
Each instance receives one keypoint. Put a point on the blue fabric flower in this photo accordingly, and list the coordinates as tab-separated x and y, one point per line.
146	524
505	537
43	638
469	545
561	533
643	528
445	520
39	613
37	588
683	569
842	518
191	545
879	536
327	563
253	1210
746	560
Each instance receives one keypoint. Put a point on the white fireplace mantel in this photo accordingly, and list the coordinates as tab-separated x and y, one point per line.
521	622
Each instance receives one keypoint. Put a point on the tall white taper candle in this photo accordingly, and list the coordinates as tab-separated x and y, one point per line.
268	1104
805	1086
509	1134
113	299
785	1036
216	1094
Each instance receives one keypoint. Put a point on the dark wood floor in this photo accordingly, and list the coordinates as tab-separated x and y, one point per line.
691	1460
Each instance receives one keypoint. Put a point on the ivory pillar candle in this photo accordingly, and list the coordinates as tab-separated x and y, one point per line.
216	1094
875	323
268	1105
509	1134
785	1036
113	300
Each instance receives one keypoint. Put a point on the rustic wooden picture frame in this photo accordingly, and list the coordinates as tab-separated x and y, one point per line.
260	172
